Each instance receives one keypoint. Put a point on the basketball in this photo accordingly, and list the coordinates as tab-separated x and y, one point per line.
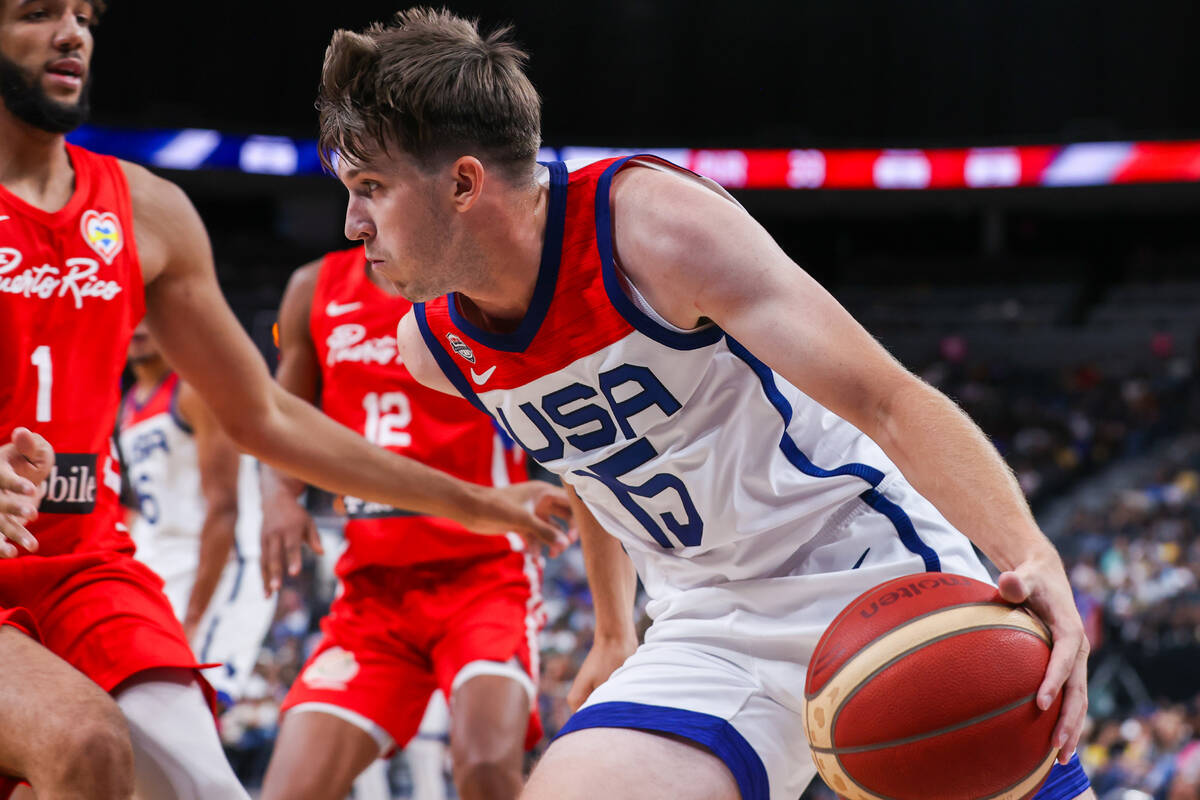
924	688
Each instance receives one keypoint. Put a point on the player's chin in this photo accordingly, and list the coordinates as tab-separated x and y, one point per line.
415	292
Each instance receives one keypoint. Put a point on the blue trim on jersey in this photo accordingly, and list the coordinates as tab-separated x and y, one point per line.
645	324
1065	781
705	729
237	579
872	497
174	410
543	291
506	441
443	359
208	637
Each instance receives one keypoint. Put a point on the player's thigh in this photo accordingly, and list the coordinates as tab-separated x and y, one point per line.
489	721
317	756
48	709
631	765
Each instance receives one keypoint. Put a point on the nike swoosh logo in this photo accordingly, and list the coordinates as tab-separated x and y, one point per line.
3	217
480	380
861	559
335	309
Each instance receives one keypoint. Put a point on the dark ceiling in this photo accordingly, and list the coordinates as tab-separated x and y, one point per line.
699	72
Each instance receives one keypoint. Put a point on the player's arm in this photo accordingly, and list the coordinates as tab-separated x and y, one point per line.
697	256
217	460
203	341
285	523
613	584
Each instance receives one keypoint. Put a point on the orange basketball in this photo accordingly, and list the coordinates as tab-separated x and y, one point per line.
924	688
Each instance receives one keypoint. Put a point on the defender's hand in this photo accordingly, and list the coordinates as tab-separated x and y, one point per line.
25	464
528	510
286	526
1041	583
601	662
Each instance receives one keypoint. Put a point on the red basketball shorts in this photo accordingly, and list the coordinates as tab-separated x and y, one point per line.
103	613
396	634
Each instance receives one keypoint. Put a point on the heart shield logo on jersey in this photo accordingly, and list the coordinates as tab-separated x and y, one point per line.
103	233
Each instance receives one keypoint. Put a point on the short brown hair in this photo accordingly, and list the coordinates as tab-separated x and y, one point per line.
430	82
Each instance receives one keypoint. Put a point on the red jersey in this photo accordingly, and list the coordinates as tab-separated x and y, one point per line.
365	386
70	295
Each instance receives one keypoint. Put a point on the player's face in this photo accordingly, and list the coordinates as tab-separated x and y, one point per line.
45	53
404	217
141	345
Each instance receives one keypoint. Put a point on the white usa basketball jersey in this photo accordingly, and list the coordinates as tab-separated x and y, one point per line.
707	465
160	458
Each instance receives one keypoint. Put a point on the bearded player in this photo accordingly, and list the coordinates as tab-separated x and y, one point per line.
425	604
756	455
88	244
198	516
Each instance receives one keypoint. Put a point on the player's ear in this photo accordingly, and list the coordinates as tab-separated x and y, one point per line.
469	177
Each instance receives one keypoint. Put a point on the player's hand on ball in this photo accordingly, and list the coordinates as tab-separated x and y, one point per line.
533	510
1041	583
25	464
602	661
285	527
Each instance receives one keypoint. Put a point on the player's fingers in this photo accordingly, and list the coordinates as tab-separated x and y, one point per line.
37	452
1014	587
553	504
19	505
313	537
552	536
13	532
292	540
1074	710
1063	654
271	559
10	479
6	549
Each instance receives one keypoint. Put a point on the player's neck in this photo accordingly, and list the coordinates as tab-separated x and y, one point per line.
34	164
148	375
502	290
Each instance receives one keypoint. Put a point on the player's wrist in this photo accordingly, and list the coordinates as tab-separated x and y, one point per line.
476	507
621	636
1036	550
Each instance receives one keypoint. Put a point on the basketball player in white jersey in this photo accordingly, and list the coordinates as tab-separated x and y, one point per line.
760	458
198	517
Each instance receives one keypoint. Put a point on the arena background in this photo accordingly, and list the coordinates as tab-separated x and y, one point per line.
1060	305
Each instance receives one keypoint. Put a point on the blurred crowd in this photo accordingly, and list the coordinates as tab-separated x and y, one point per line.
1055	428
1134	562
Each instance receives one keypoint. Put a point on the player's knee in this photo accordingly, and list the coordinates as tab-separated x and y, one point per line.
93	758
302	783
486	772
285	787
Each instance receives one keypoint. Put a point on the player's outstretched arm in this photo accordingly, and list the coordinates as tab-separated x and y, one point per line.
217	458
286	525
613	584
695	255
204	342
25	464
